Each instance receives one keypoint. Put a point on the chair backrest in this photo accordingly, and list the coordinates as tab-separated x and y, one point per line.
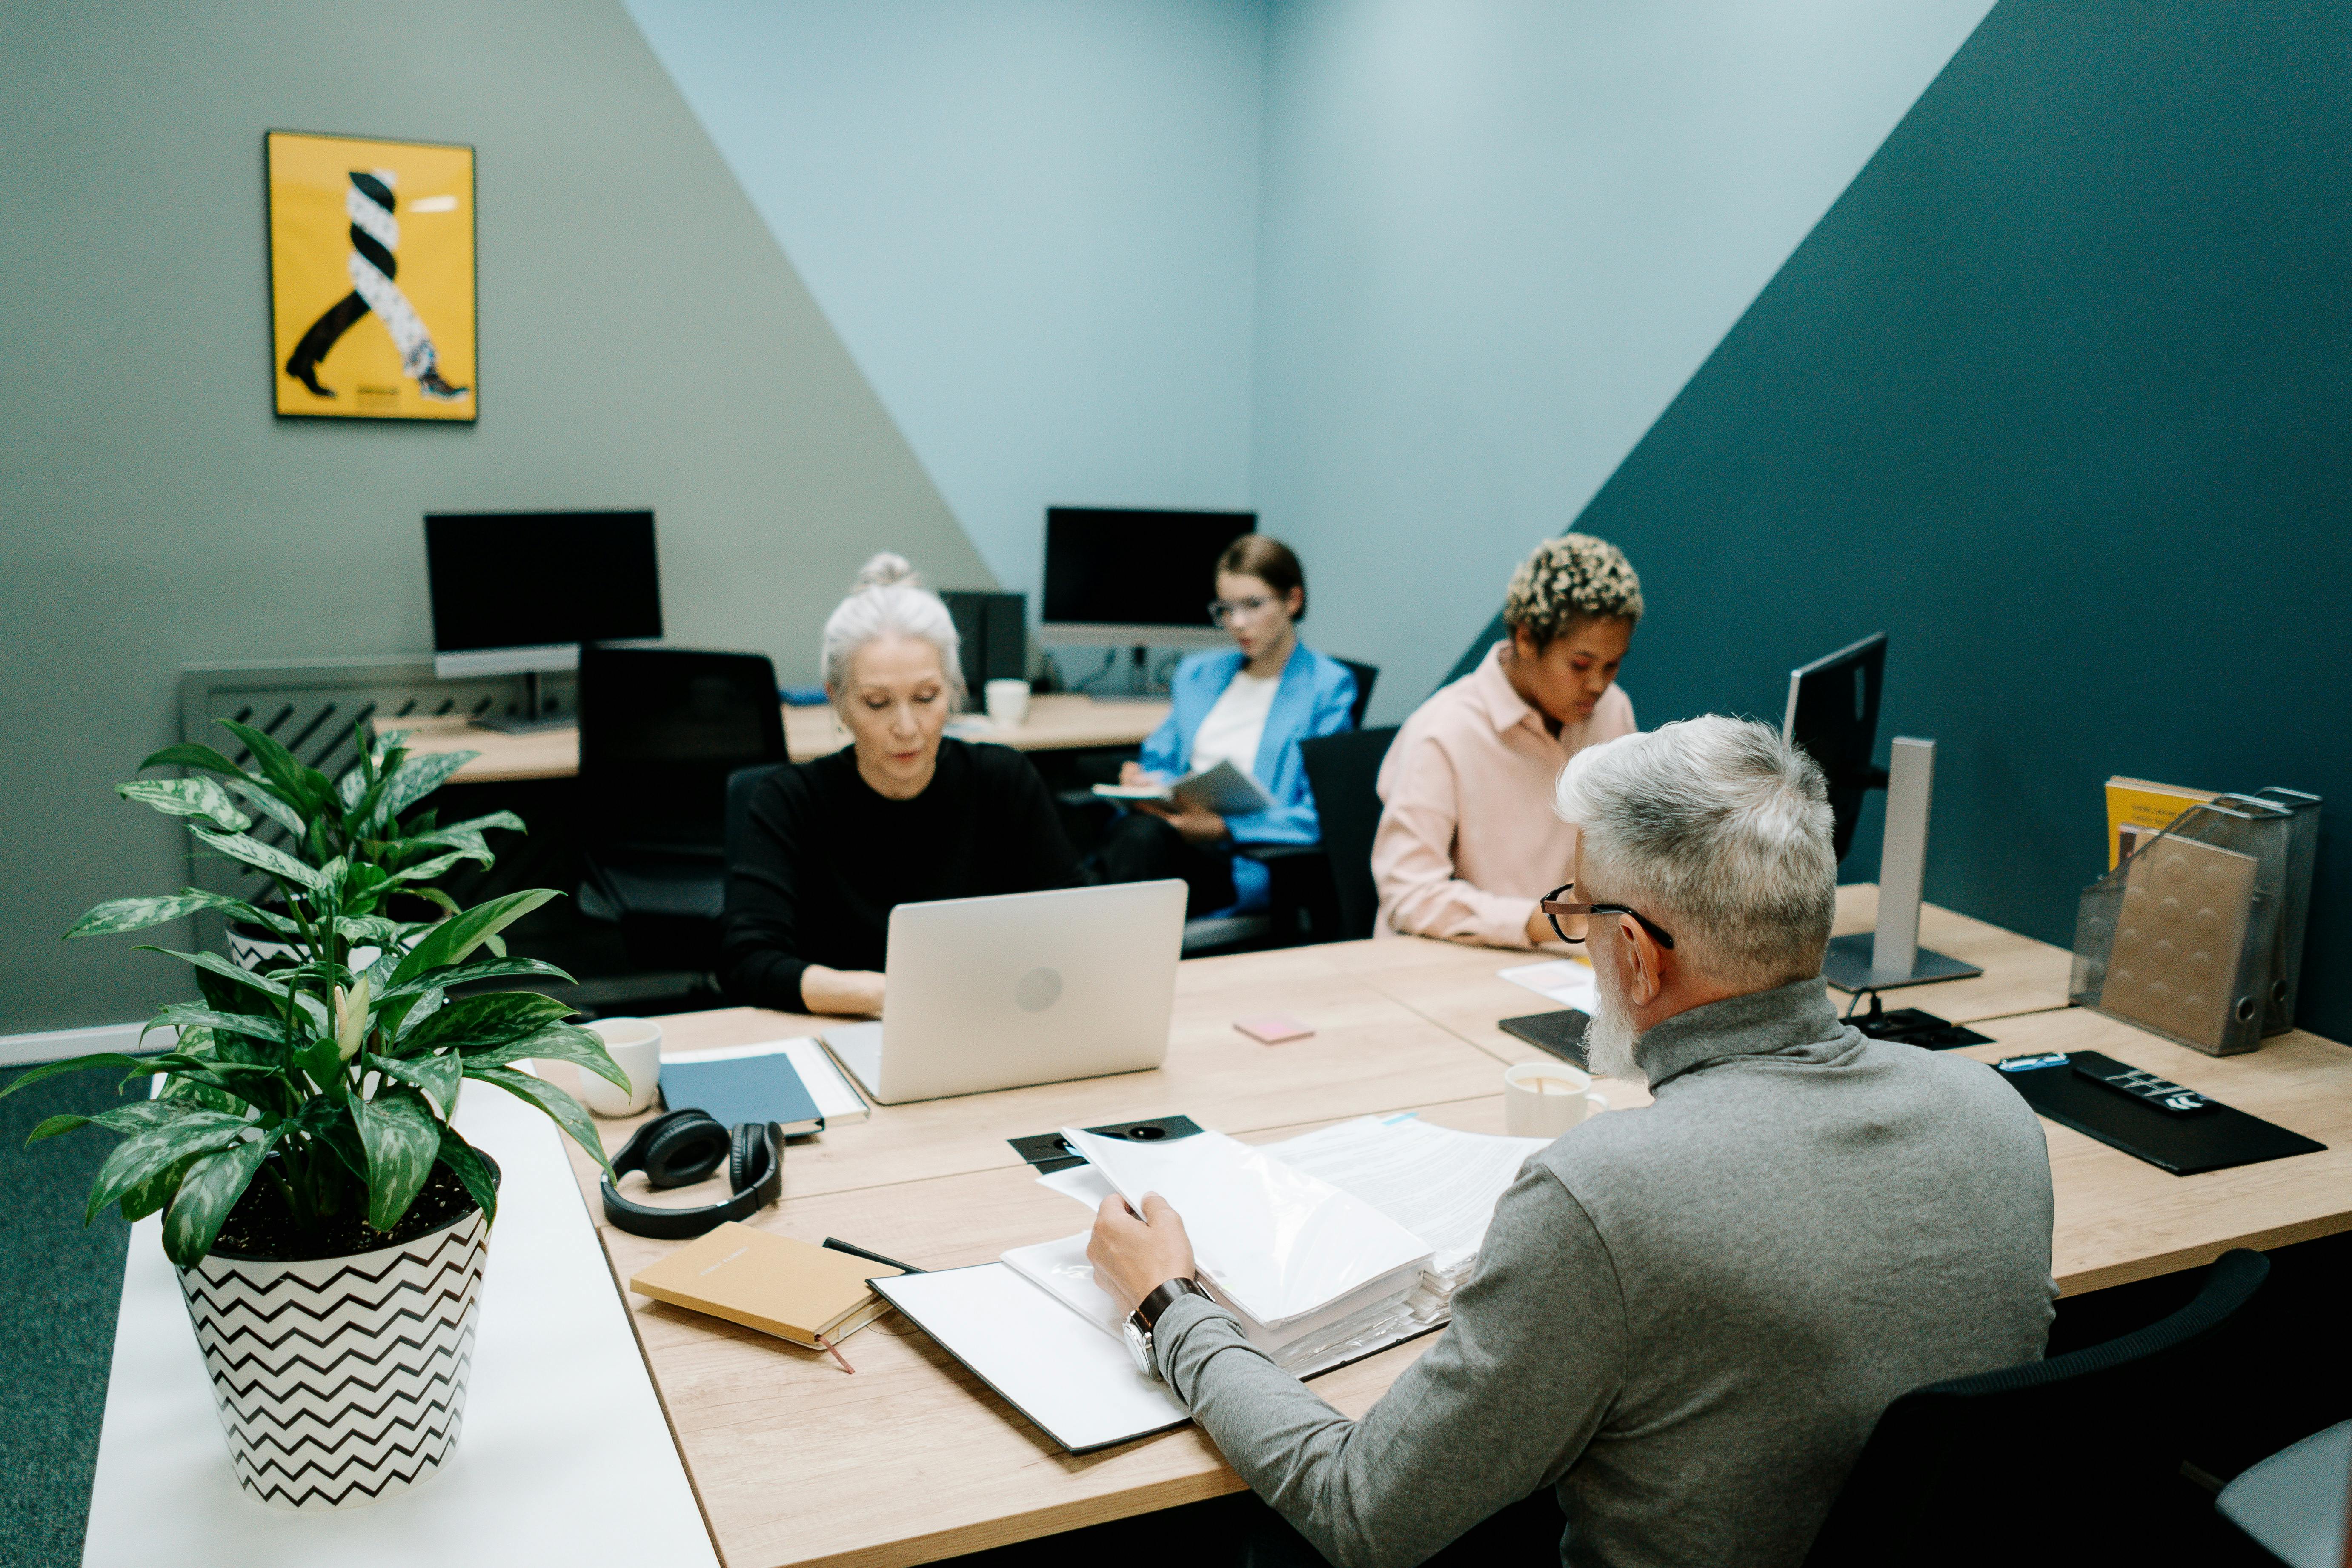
2063	1460
1366	676
1343	770
660	731
740	785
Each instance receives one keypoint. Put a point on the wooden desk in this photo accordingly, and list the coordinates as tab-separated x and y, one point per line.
1060	721
912	1460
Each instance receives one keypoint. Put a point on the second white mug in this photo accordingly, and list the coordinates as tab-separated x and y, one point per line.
636	1045
1544	1100
1008	703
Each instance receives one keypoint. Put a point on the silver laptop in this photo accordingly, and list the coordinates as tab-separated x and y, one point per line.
1026	988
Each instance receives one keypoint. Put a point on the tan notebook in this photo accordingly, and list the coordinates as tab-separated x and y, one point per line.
789	1288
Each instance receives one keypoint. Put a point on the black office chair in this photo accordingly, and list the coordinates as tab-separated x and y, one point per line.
1342	771
662	730
1367	677
2070	1460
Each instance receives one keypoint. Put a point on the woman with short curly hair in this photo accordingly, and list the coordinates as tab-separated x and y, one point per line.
1467	841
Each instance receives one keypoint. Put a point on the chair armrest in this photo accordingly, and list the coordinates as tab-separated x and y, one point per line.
1269	854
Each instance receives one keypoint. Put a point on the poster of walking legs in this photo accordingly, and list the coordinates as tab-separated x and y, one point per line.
372	278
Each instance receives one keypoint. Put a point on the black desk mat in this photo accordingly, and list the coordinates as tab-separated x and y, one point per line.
1560	1032
2214	1138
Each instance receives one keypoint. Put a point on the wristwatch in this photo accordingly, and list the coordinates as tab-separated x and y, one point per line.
1146	1317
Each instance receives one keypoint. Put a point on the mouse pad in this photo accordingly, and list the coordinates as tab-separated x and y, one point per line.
2214	1138
1560	1032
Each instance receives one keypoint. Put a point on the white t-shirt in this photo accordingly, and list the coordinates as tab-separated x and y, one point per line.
1235	724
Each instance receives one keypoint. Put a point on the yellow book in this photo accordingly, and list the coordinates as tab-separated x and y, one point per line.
2138	803
789	1289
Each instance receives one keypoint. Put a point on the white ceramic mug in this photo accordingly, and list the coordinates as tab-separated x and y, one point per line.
636	1045
1008	703
1544	1100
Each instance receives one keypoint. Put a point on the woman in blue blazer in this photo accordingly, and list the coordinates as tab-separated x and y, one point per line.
1251	706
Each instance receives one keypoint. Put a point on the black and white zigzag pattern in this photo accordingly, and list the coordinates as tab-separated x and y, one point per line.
341	1381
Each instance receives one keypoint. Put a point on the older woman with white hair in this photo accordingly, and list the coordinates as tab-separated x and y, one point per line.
902	814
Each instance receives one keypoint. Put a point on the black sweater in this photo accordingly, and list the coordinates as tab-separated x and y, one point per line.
828	860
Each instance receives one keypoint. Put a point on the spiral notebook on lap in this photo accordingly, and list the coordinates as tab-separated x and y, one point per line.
1224	789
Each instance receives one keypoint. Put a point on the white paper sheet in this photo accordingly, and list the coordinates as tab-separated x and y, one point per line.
1436	1183
1077	1384
1082	1183
1566	981
1280	1245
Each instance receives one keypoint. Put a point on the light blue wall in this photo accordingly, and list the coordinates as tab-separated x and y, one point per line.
1033	223
1498	238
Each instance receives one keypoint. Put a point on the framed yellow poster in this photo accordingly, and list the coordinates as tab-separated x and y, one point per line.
371	277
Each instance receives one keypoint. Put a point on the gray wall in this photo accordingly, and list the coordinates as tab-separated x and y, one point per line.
644	341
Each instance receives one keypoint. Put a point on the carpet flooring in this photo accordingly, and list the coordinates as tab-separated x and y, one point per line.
65	1289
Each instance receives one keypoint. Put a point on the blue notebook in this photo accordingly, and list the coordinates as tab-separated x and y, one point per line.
736	1089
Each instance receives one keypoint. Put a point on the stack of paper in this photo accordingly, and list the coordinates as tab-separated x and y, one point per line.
1434	1188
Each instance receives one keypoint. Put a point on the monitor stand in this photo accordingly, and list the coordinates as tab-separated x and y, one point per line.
530	720
1891	956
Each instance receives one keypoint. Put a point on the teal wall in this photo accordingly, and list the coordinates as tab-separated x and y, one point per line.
644	341
2059	394
1033	222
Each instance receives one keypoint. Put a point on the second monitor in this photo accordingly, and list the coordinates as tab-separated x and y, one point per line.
1116	577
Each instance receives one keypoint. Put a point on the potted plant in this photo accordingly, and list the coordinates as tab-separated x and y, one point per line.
328	1225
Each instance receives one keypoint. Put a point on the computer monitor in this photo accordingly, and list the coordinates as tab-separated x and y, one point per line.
1834	716
518	593
1116	577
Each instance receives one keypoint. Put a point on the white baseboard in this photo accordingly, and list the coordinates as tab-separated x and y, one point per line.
57	1045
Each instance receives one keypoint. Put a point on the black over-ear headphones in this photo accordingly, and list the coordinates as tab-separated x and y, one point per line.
681	1148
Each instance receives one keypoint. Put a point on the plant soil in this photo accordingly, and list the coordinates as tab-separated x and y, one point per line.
261	1229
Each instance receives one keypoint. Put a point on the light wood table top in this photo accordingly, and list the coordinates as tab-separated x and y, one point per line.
912	1460
1058	721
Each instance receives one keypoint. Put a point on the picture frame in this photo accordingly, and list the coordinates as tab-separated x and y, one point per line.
372	278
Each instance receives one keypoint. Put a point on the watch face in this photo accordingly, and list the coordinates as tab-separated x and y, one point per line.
1139	1345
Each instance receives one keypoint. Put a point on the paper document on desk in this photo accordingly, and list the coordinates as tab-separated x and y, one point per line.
1566	981
1279	1245
1438	1183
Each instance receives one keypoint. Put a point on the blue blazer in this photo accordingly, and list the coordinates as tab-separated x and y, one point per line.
1317	697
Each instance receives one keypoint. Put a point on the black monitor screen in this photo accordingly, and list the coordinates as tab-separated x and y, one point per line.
530	579
1135	568
1834	716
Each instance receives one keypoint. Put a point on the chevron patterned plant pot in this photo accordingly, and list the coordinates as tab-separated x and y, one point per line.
340	1380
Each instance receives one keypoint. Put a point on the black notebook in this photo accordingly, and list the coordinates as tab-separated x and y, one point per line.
2213	1138
1560	1032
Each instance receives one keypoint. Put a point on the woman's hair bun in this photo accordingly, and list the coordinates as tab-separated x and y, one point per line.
884	569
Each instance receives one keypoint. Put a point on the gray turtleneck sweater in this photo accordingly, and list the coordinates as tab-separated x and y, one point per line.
1686	1317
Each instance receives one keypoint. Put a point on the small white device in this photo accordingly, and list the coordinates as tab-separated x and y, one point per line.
999	993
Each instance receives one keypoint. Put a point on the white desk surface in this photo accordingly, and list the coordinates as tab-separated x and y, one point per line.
566	1455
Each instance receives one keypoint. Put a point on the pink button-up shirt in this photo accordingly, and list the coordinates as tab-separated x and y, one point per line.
1467	841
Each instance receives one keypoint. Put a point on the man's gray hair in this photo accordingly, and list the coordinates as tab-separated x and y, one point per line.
1717	831
888	599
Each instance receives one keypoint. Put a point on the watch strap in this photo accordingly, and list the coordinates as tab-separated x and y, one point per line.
1163	1296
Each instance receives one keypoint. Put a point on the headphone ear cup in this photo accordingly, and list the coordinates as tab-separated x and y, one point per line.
685	1148
757	1159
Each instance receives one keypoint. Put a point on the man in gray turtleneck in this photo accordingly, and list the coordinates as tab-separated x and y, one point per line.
1685	1318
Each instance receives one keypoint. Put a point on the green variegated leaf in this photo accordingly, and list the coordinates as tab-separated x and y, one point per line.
208	1190
403	1138
481	1022
303	787
435	896
32	1076
181	1131
437	1076
566	1112
466	840
451	941
352	787
188	755
260	856
235	974
480	1179
151	1196
374	931
189	1016
268	804
415	778
195	797
480	969
138	915
563	1043
426	870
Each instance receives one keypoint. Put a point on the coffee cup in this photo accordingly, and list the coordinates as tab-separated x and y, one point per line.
1544	1100
636	1045
1008	703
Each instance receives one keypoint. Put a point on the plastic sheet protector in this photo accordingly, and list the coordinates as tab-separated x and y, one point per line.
1279	1244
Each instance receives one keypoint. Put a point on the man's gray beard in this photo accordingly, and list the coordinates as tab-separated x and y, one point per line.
1609	1038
